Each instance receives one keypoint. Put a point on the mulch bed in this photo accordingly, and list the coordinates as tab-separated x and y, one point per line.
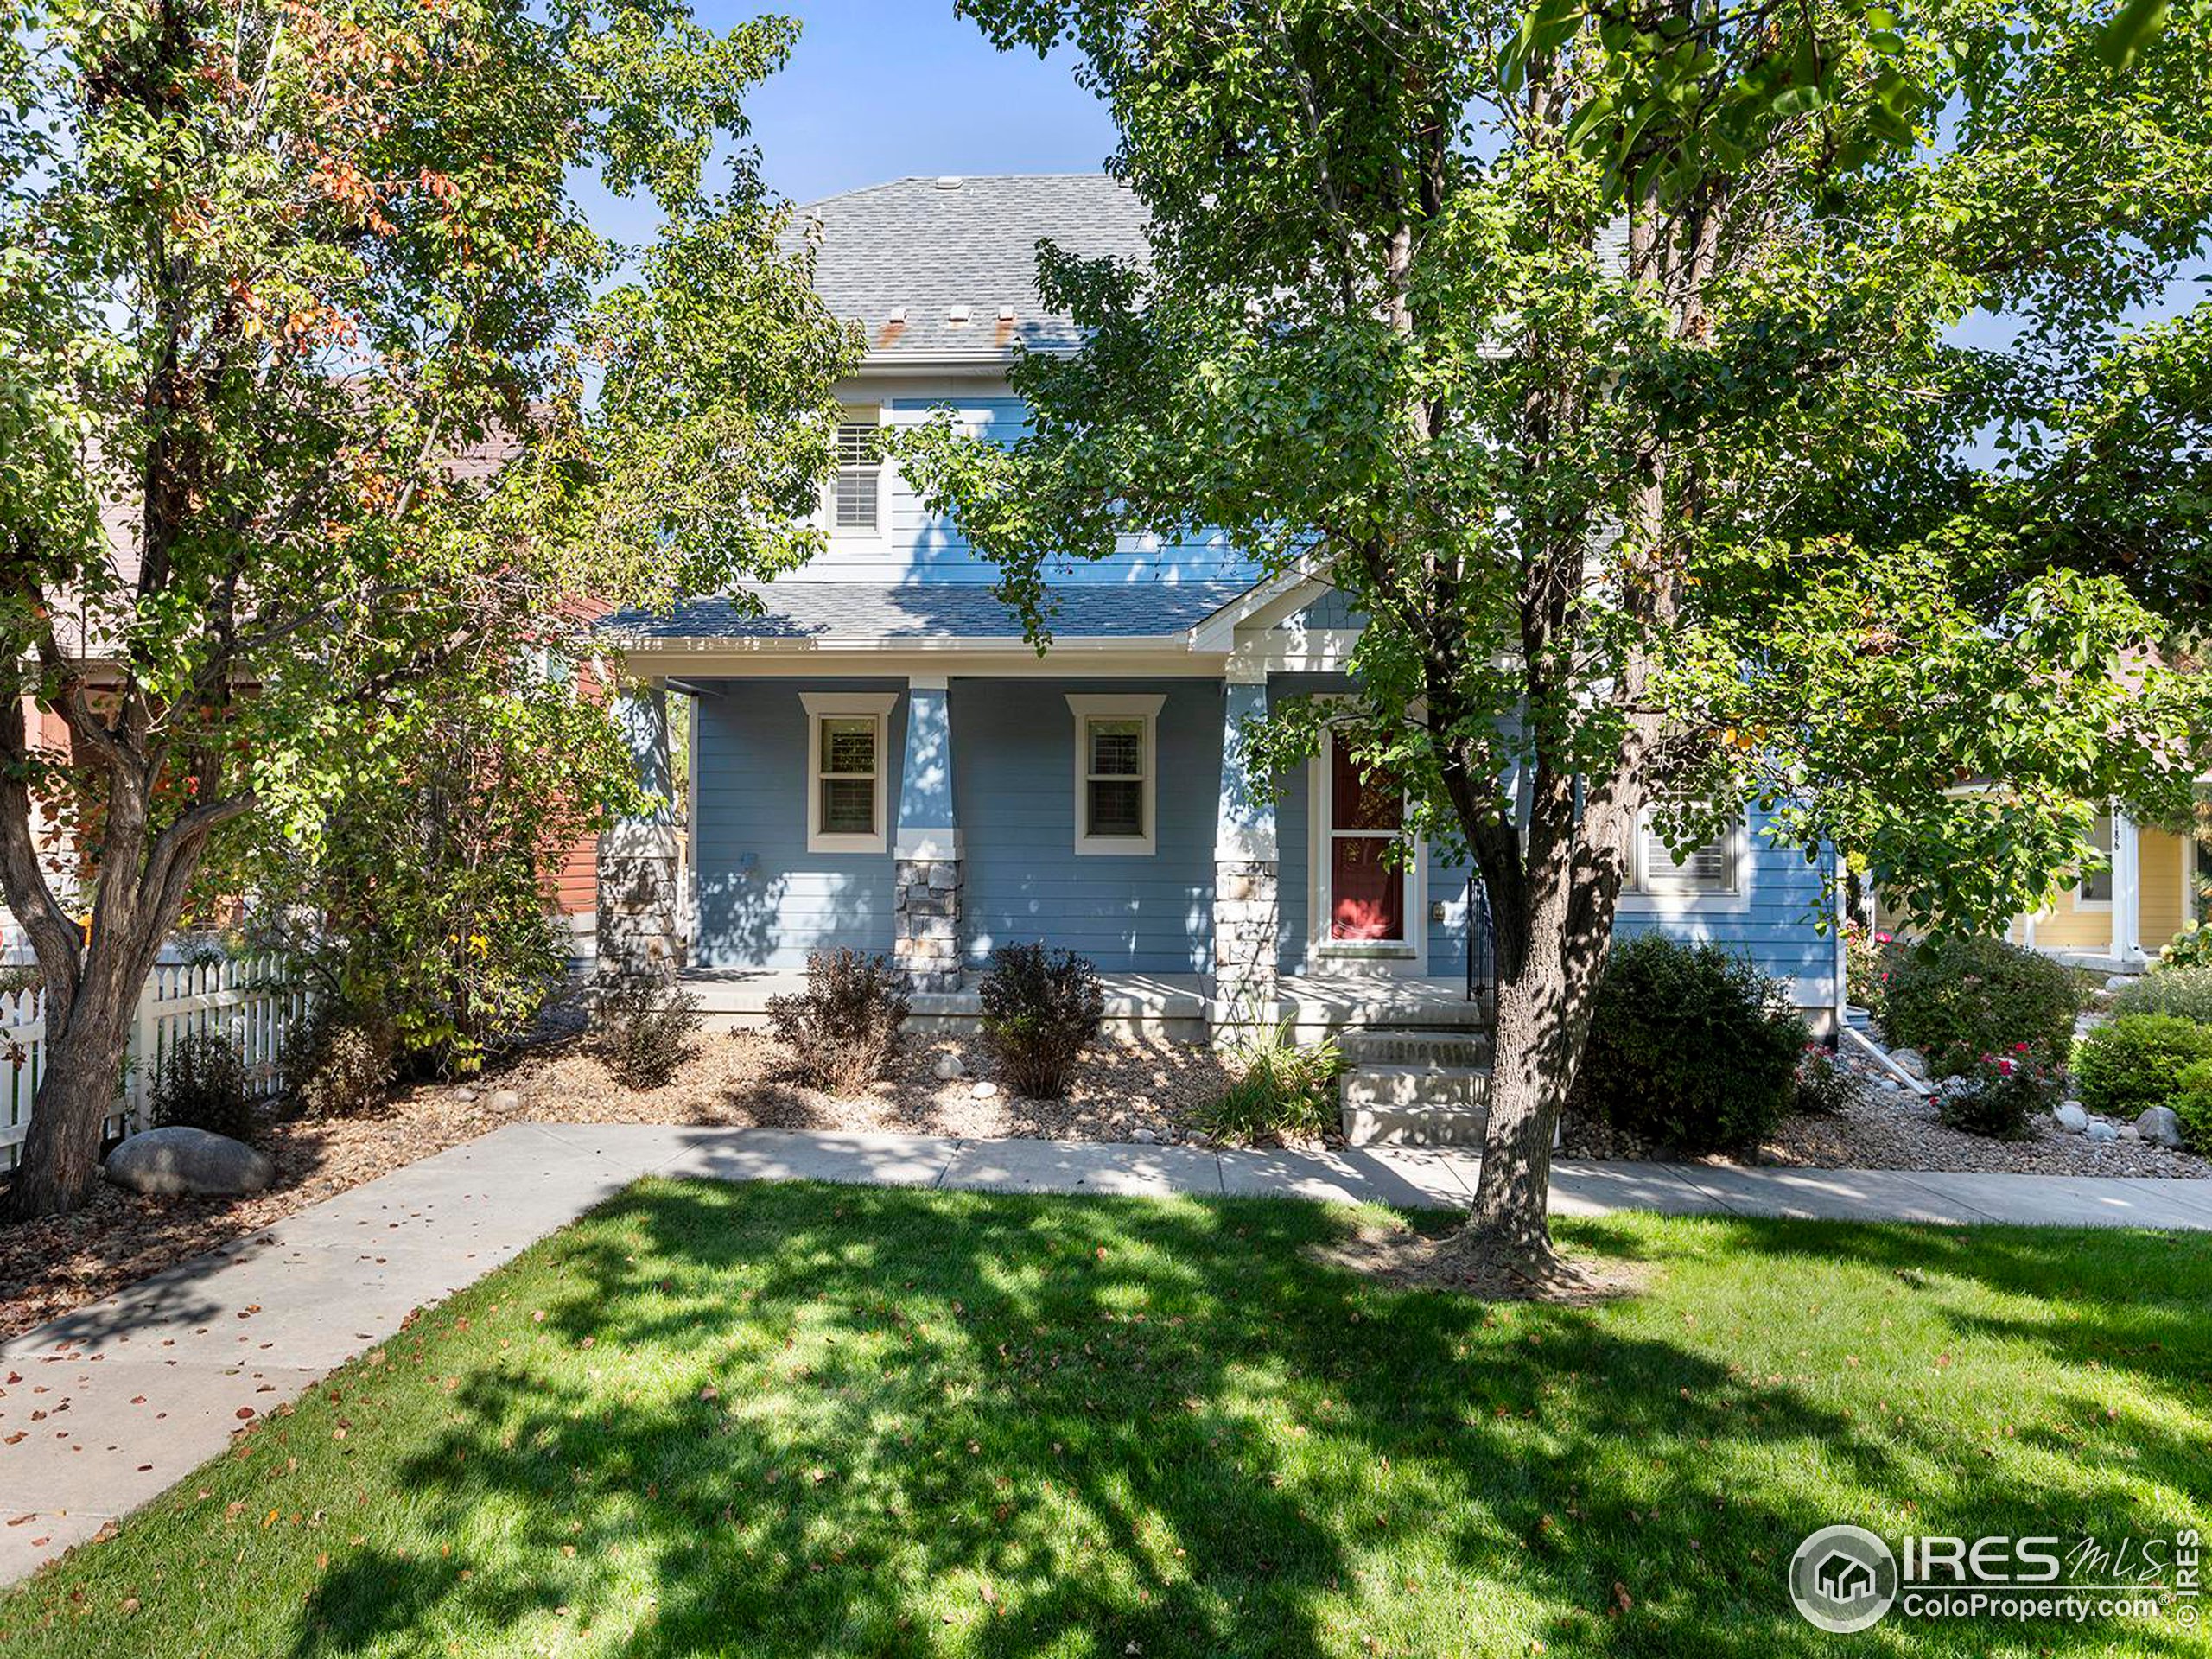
1124	1092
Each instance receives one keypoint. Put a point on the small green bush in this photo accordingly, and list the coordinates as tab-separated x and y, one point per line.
644	1029
1282	1092
340	1061
842	1029
201	1085
2192	1103
1689	1046
2191	948
2136	1061
1824	1084
1957	999
1042	1009
2186	993
1999	1094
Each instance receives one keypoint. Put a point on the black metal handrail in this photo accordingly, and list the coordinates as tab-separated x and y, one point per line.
1481	944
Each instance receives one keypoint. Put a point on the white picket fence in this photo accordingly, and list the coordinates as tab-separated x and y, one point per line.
243	997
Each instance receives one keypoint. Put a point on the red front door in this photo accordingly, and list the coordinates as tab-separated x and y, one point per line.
1367	892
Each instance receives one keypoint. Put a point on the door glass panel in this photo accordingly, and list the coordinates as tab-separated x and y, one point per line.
1367	892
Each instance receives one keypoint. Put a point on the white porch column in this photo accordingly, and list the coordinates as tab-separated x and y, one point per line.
1247	926
2126	890
926	852
641	911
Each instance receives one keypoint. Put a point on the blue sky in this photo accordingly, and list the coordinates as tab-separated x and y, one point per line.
887	89
883	89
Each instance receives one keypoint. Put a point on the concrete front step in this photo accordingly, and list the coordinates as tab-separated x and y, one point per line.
1414	1125
1416	1085
1435	1050
1415	1104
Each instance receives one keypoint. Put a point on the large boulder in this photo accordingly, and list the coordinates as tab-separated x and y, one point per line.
176	1161
1911	1062
2159	1124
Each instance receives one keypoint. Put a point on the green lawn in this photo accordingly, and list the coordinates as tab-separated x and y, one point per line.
797	1418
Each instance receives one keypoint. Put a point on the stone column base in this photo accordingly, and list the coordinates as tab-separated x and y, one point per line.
925	923
1247	937
640	928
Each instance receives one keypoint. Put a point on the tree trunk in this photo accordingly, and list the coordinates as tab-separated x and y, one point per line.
77	1091
1507	1227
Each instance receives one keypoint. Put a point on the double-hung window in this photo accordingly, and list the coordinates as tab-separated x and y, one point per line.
1116	772
2095	891
847	768
856	494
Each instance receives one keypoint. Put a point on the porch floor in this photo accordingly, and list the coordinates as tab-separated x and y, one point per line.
1176	1005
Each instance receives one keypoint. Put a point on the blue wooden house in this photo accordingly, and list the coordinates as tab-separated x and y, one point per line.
877	759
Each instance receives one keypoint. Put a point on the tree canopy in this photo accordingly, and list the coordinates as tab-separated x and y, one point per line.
315	375
1605	356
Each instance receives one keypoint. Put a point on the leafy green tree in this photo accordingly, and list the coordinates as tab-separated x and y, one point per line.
422	911
1598	353
316	375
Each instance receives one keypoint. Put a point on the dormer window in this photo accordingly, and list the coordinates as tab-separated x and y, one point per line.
856	504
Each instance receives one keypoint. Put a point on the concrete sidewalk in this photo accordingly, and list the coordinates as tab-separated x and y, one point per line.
108	1405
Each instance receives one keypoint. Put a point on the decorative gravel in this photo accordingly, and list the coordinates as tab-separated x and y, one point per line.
1879	1130
1123	1091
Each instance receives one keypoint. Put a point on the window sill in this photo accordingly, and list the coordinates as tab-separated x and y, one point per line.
1353	950
876	844
1115	846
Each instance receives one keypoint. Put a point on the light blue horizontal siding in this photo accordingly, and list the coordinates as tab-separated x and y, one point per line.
765	901
1013	771
926	547
1774	922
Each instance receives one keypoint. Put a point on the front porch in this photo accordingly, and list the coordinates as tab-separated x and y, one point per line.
1172	1008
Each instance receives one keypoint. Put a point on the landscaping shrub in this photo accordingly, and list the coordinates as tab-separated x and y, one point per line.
2192	1103
1689	1046
644	1029
2191	948
1957	999
1999	1094
843	1028
1867	958
2136	1061
1824	1084
1042	1009
201	1085
2185	993
339	1062
1283	1091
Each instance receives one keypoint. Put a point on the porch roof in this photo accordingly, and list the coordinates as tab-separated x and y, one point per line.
822	612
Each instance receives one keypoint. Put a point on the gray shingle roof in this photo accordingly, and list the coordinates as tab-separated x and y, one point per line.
868	610
928	248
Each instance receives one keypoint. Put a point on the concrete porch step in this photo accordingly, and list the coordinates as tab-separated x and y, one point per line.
1414	1125
1434	1050
1415	1085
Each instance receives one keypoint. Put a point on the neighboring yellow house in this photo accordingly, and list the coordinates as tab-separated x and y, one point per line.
2119	916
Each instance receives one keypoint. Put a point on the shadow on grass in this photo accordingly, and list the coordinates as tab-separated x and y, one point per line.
798	1419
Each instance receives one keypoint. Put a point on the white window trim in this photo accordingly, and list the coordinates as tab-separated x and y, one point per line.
1144	707
1638	898
861	414
1325	954
821	705
2082	903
